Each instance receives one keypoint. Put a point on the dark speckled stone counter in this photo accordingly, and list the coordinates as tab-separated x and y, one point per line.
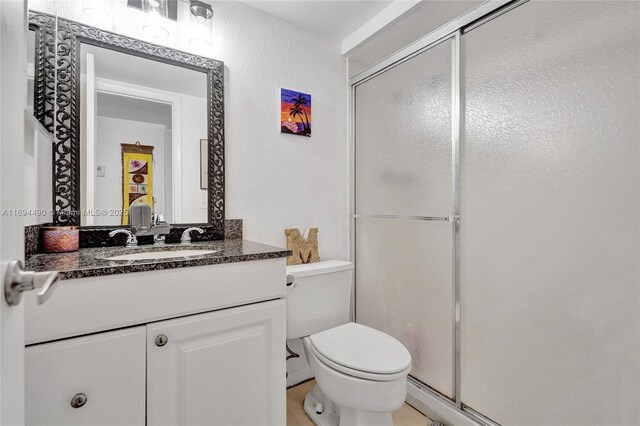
91	262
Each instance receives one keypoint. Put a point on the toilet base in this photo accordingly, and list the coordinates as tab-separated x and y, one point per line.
329	415
332	415
364	418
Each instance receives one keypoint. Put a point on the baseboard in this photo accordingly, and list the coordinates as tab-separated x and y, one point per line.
299	376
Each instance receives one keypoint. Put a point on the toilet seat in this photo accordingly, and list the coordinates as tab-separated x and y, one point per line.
361	351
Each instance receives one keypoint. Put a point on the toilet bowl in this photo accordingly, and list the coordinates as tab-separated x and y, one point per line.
361	373
360	370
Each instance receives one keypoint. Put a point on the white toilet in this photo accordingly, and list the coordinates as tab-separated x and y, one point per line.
361	373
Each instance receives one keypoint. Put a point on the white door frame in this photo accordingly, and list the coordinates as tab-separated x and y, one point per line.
88	135
103	85
13	103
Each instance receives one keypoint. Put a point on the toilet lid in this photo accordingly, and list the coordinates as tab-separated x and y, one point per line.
361	348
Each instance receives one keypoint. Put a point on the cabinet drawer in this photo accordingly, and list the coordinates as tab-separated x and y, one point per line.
89	305
108	368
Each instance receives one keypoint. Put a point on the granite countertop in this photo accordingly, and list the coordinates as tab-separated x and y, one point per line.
91	262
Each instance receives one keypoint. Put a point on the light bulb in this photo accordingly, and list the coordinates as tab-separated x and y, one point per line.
201	26
157	13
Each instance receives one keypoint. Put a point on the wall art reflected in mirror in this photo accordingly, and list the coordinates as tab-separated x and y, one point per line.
129	123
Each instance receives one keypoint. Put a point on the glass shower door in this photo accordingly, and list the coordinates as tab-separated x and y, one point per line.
550	227
403	199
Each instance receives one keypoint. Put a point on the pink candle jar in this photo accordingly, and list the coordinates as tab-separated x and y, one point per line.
60	239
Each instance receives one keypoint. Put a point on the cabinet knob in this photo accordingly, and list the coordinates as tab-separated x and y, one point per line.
161	340
78	400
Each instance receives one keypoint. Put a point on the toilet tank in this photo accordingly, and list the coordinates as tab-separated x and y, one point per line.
320	297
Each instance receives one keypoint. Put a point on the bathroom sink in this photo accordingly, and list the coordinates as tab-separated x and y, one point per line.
169	254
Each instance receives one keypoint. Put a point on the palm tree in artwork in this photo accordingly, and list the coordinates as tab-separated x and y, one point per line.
299	102
296	111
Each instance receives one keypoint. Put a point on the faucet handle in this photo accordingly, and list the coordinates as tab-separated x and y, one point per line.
186	235
157	218
132	241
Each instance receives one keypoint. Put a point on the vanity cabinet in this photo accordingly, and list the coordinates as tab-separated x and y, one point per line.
92	380
193	346
218	368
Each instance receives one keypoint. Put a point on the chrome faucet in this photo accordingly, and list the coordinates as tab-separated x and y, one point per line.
132	241
186	235
142	222
159	229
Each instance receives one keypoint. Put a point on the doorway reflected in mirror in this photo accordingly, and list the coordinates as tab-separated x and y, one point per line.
163	107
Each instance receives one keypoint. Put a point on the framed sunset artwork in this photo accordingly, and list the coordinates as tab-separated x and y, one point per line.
295	112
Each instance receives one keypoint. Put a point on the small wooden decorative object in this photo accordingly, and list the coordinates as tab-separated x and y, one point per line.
304	248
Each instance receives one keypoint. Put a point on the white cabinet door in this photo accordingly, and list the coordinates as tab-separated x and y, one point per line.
220	368
108	368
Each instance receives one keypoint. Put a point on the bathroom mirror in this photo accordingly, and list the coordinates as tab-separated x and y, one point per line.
135	123
141	126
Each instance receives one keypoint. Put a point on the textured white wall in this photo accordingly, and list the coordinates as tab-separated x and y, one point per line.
273	180
37	172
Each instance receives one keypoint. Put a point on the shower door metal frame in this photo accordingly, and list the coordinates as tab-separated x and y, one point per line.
453	30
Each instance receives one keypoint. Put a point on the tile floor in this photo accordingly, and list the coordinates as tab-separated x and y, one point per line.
406	416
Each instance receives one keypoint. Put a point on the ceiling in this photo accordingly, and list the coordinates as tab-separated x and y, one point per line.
337	18
423	18
134	109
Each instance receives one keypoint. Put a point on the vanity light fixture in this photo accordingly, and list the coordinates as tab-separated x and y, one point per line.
201	24
157	14
100	12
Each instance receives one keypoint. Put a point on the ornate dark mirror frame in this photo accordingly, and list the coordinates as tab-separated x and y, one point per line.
44	69
66	152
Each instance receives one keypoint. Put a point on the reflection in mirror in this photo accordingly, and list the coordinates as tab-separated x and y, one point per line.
141	126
